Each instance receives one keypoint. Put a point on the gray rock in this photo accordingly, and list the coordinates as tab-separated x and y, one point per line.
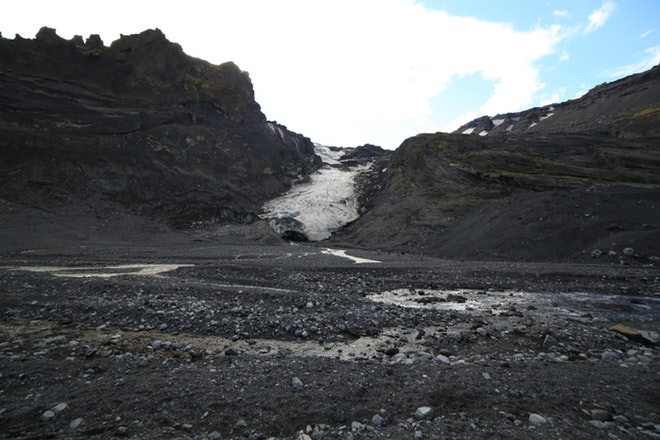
455	335
600	414
622	420
629	251
47	416
598	424
419	435
378	421
399	357
297	383
357	426
215	435
59	408
536	419
610	356
75	423
424	413
442	358
549	342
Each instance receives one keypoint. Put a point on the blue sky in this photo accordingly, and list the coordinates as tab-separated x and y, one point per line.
350	72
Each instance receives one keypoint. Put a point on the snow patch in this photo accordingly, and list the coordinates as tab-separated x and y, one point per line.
342	254
468	130
498	122
483	133
542	118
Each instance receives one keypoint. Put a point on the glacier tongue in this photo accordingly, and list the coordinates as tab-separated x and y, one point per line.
318	207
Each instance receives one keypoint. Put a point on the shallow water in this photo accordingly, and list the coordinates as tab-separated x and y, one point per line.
575	305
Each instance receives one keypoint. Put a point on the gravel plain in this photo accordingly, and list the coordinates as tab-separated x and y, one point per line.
205	340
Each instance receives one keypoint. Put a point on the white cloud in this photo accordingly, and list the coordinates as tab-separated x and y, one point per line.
600	16
344	72
560	13
647	33
650	58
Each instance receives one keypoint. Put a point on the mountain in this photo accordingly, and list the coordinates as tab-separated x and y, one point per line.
137	139
141	126
560	183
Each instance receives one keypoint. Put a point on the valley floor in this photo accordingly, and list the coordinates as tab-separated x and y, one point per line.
204	340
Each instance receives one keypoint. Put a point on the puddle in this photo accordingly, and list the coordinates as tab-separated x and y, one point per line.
579	305
343	254
103	271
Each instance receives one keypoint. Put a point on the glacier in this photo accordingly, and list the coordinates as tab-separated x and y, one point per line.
322	205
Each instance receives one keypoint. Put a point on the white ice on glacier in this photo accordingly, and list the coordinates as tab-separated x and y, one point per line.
325	203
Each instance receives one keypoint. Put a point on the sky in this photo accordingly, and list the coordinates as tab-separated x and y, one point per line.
351	72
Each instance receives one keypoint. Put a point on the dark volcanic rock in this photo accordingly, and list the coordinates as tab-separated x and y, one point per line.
548	194
142	124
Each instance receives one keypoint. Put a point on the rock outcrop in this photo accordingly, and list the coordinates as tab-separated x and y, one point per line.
142	124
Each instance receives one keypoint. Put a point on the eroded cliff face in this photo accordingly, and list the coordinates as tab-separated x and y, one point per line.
142	124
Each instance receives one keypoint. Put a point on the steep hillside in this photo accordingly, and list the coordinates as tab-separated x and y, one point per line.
550	193
625	108
140	125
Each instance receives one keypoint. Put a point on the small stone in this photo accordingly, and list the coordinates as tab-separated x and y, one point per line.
215	435
232	351
303	436
75	423
297	383
455	335
46	416
486	376
424	413
59	408
549	342
622	420
121	431
600	414
357	426
419	435
400	357
162	326
629	251
536	419
442	358
598	424
241	424
610	356
378	421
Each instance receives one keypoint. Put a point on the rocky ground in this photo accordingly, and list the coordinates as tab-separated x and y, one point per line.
192	338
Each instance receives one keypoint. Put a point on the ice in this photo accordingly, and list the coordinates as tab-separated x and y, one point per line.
325	203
